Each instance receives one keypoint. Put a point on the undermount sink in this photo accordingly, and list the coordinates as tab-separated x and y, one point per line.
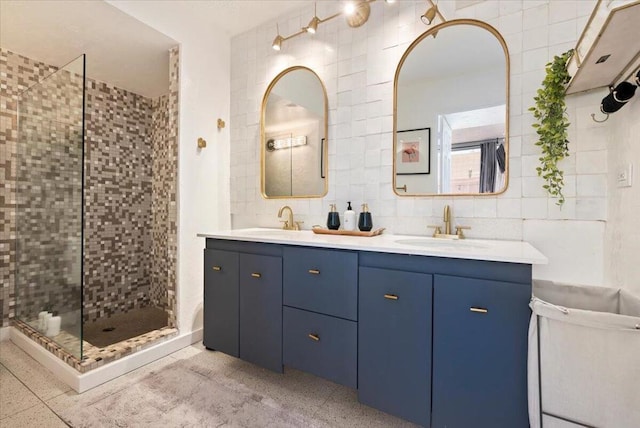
441	244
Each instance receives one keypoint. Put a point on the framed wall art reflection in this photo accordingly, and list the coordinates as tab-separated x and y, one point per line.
413	151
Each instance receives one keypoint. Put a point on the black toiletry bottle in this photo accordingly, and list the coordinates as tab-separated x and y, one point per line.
365	223
333	221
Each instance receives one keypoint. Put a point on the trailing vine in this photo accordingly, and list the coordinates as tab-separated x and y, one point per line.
552	123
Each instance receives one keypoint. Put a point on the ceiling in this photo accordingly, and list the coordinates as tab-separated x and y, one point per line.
120	49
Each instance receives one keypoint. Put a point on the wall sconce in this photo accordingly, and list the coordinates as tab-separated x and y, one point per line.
357	13
202	143
221	124
286	143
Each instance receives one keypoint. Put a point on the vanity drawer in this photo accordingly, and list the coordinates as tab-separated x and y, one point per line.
321	344
324	281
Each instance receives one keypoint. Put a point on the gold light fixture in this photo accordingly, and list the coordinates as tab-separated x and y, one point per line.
357	13
430	14
313	24
277	42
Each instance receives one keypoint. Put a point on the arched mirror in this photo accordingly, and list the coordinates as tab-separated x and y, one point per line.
451	104
294	136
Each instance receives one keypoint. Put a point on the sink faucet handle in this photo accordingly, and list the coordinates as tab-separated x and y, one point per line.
459	230
285	226
436	230
297	225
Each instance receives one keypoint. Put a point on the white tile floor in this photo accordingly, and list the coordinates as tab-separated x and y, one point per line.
192	387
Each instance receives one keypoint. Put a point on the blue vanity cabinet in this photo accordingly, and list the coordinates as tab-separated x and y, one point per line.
243	301
394	342
320	312
480	352
261	310
221	298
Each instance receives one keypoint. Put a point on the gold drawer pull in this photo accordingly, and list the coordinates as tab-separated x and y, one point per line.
217	268
478	310
314	271
256	275
314	337
391	296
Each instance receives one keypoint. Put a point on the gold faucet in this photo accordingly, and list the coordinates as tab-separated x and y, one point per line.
447	220
437	230
289	224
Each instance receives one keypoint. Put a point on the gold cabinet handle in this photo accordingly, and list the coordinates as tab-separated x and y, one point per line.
217	268
391	296
478	310
256	275
314	337
314	271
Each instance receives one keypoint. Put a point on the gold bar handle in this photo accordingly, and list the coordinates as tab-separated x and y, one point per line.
478	310
217	268
391	296
256	275
314	337
314	271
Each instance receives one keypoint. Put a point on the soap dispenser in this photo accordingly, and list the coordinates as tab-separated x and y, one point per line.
365	224
333	220
349	218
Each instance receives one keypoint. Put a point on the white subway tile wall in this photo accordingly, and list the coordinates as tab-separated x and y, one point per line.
358	66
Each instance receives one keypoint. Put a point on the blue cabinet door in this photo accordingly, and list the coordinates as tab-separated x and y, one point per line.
221	301
394	342
261	310
479	353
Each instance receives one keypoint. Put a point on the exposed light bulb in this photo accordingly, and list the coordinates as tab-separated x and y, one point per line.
349	8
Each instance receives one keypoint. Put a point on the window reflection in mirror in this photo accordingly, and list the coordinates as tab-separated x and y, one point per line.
456	86
294	131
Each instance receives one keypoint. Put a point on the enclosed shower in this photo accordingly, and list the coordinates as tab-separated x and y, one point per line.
95	215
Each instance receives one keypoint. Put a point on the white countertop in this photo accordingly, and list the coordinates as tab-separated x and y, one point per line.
472	249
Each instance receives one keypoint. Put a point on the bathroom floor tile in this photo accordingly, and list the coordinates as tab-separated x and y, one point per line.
37	416
14	396
196	387
35	376
343	409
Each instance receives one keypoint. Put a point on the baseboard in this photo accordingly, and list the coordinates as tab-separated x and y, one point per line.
5	333
82	382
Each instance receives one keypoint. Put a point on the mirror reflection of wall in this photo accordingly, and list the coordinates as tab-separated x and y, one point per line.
457	86
294	136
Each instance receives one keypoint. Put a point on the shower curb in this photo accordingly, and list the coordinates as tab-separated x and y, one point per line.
82	382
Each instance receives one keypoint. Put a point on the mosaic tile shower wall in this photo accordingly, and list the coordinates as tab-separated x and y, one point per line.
48	212
17	73
124	267
171	192
118	161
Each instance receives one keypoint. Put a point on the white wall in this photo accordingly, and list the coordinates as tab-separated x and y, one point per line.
357	67
622	261
203	175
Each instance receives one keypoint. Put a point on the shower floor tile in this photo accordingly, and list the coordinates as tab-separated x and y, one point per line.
107	331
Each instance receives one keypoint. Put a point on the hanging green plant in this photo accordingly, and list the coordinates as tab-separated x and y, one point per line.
552	123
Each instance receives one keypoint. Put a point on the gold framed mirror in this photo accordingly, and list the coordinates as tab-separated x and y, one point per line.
451	112
293	136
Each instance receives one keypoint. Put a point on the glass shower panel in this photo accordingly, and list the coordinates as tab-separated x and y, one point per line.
49	212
